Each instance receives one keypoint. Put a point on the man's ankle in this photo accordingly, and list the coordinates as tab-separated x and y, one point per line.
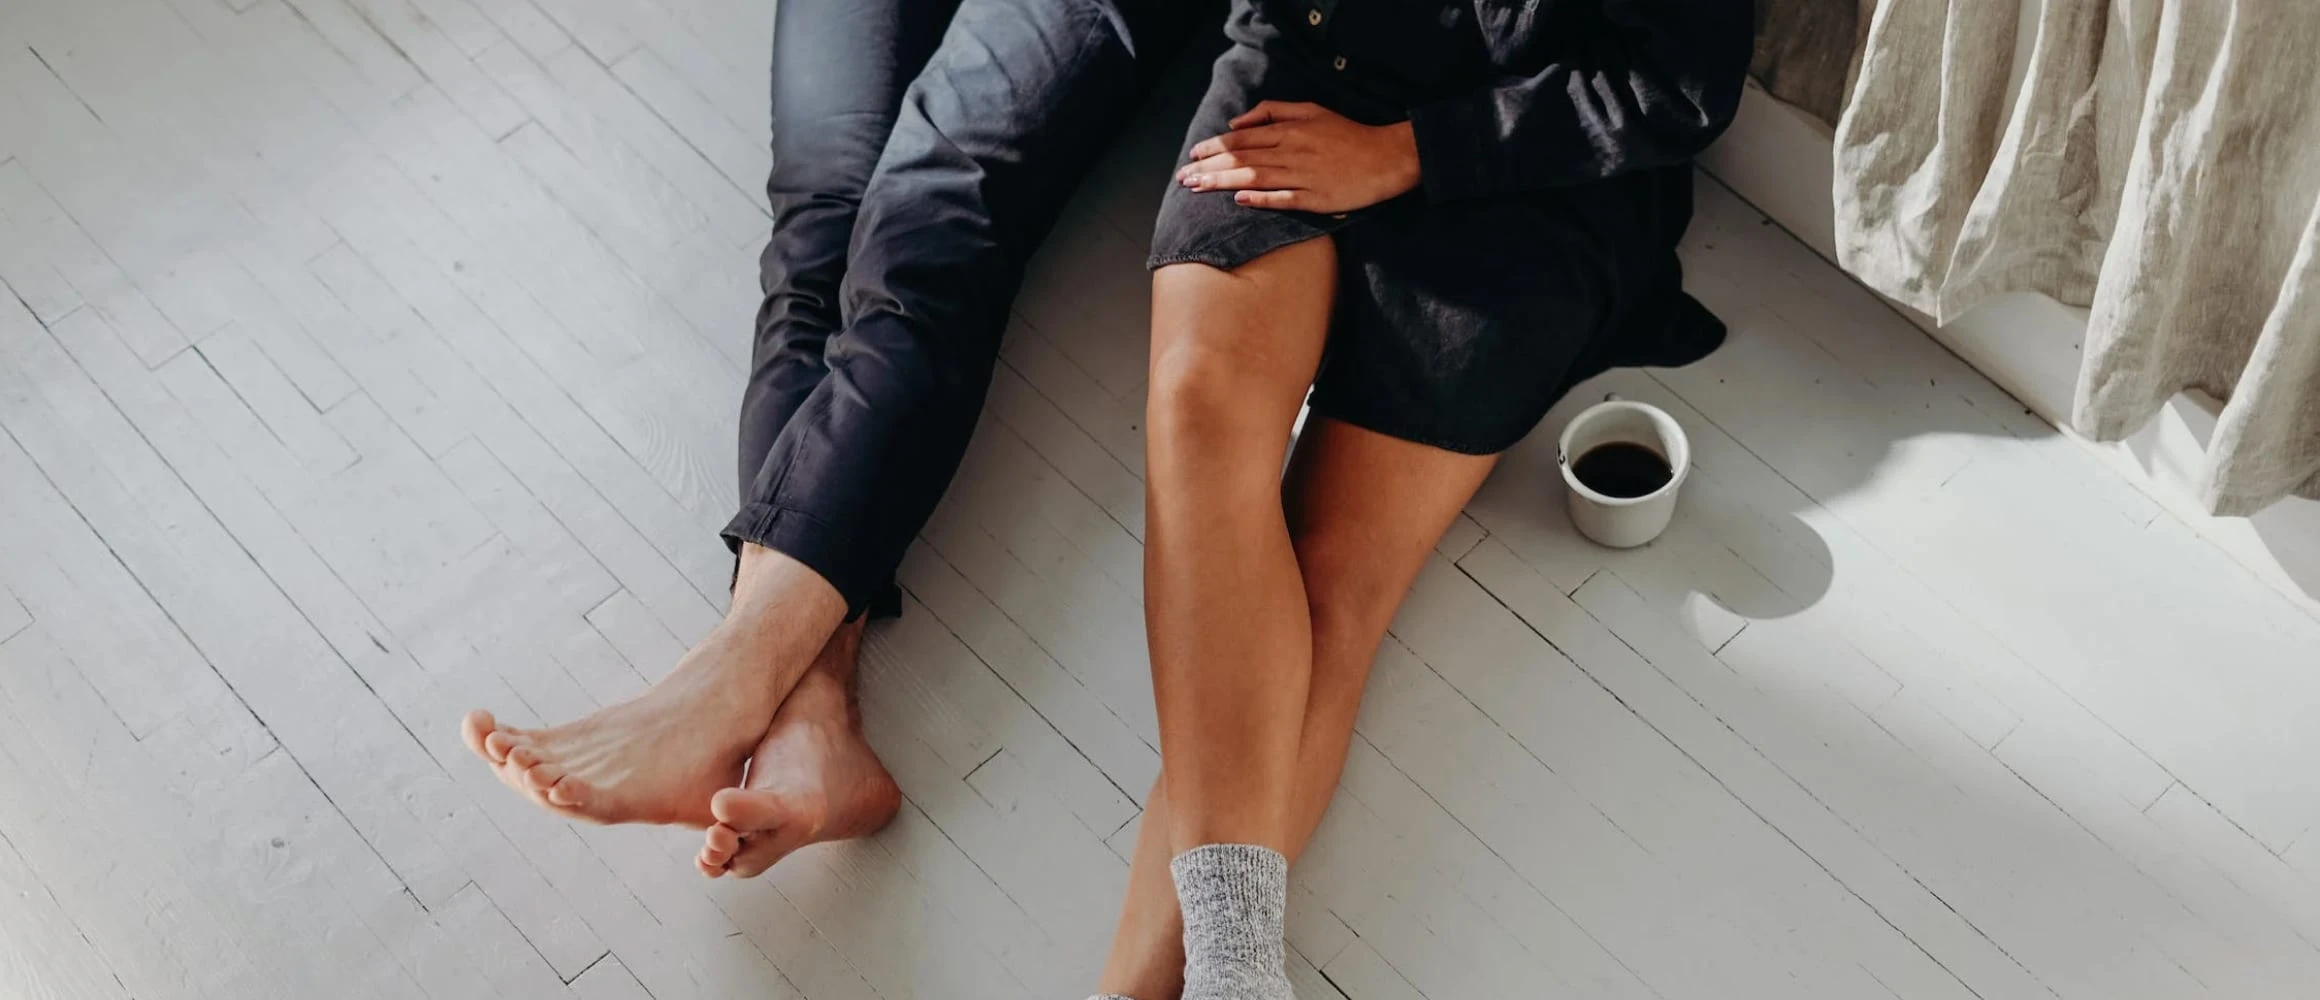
768	579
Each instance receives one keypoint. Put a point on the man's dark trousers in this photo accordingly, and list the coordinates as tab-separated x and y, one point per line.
921	150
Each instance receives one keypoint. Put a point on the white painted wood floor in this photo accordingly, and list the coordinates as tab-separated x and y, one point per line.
372	359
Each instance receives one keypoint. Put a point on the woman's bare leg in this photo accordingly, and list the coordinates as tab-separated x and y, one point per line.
1224	607
1147	957
1232	355
1363	510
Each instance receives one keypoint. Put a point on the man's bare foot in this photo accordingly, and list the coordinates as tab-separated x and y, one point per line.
658	757
813	778
655	758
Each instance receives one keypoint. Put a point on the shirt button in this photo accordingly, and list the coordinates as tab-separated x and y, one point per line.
1337	63
1313	17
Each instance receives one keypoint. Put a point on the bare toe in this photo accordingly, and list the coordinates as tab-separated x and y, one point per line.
747	810
717	849
473	728
571	793
521	759
723	840
767	828
497	744
542	776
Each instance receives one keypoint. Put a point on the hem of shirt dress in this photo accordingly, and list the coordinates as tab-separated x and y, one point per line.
1378	425
1694	334
1218	261
1228	237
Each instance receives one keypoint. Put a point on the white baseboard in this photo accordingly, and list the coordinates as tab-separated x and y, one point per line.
1778	158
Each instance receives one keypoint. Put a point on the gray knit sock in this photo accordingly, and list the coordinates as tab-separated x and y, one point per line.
1233	896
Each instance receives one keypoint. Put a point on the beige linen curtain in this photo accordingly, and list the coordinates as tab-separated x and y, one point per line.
2160	164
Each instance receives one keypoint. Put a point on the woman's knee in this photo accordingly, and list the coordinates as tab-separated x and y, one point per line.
1356	574
1209	397
1352	596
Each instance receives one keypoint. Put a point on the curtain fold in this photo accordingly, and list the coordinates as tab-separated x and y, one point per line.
2159	164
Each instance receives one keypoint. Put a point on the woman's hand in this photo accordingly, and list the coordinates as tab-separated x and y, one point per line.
1305	157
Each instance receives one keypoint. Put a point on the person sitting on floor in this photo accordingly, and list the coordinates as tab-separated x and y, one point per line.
1439	217
921	151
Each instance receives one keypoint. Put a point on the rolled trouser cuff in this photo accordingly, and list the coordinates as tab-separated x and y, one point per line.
867	587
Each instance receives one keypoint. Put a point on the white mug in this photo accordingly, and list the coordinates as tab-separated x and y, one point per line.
1623	522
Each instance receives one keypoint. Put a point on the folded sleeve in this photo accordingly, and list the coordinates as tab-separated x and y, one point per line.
1652	84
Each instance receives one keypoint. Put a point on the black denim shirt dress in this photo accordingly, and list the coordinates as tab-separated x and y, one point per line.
1554	143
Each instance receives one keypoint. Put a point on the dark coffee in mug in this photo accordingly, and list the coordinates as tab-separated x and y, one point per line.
1622	471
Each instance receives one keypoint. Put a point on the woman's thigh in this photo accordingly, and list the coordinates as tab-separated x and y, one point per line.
1233	351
